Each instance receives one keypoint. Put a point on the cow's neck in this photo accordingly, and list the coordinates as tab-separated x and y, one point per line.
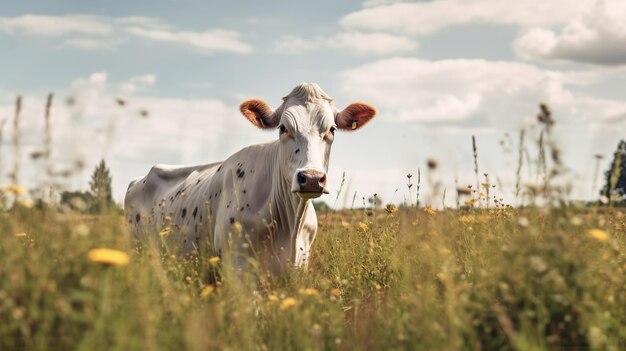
287	208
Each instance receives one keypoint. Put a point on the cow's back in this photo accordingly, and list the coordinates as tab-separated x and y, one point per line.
149	199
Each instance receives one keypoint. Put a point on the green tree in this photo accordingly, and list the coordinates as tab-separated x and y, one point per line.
615	177
100	185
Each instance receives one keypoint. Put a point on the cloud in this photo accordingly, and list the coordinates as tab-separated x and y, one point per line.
598	37
53	26
472	93
424	18
208	41
349	42
100	32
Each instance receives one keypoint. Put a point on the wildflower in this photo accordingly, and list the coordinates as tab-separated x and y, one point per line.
81	230
27	203
20	234
598	234
523	222
391	209
214	260
166	231
272	298
378	287
362	226
15	189
237	227
465	219
288	303
308	292
431	211
206	291
471	202
335	292
444	250
538	264
108	257
168	218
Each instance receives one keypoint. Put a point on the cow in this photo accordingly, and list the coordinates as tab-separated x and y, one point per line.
258	201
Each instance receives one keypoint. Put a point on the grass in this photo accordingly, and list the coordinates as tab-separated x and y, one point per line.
519	279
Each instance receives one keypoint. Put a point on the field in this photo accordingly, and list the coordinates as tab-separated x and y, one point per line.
417	279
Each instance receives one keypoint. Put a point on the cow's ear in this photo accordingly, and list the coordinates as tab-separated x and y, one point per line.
259	113
354	116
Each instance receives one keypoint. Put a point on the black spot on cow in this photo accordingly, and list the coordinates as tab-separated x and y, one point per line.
184	212
130	221
144	182
241	209
232	220
197	181
137	218
216	195
195	212
240	173
297	150
248	205
244	191
218	169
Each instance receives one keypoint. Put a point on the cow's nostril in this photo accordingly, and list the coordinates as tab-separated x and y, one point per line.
323	180
301	178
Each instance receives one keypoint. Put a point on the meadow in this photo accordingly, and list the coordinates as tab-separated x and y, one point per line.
418	279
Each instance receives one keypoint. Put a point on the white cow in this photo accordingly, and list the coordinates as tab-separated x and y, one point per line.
258	201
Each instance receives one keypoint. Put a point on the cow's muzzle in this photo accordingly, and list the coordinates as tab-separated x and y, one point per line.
310	183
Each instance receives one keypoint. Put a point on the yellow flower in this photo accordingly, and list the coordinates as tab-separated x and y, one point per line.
362	226
598	234
20	234
431	211
391	209
214	260
236	227
166	231
308	292
27	203
272	298
167	218
108	257
335	292
288	303
206	291
15	189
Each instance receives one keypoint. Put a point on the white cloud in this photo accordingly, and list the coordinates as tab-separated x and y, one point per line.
100	32
349	42
208	41
471	93
597	37
51	26
427	17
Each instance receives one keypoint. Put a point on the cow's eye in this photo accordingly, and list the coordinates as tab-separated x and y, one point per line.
283	129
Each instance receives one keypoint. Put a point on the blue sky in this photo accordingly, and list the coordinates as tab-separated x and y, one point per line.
438	72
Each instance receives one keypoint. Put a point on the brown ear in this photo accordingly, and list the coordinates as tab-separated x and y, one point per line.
355	116
259	113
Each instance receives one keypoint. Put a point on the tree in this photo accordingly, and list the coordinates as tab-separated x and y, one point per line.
615	177
100	185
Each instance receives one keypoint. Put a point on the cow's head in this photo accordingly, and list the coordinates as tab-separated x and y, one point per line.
306	123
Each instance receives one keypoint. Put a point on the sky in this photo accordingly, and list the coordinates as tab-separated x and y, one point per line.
438	72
